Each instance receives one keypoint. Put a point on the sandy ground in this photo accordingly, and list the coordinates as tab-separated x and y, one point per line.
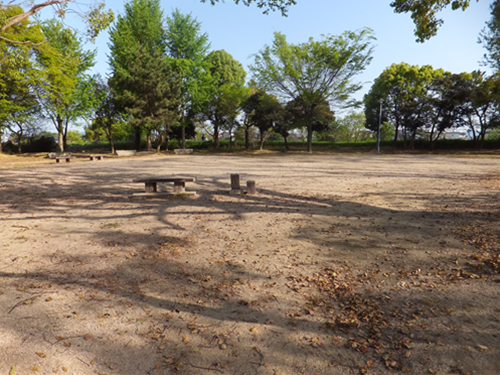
340	264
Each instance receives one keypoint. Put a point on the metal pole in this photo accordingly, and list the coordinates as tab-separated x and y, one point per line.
379	125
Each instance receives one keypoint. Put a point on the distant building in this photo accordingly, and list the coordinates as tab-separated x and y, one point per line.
455	134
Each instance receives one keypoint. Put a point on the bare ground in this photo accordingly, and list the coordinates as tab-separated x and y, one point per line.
341	264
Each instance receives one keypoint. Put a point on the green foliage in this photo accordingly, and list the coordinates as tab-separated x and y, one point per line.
150	92
187	48
226	93
262	110
74	136
19	74
66	94
139	33
40	143
387	131
405	94
97	18
267	5
350	128
424	14
314	72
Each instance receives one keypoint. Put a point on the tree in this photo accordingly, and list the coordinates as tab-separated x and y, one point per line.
151	90
97	18
227	92
188	48
424	14
490	37
350	128
19	74
484	105
262	110
404	92
107	116
65	94
314	72
141	27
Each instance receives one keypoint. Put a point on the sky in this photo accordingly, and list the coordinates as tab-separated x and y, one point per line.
243	31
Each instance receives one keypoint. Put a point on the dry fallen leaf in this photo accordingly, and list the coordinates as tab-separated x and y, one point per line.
185	339
13	370
40	354
254	329
87	337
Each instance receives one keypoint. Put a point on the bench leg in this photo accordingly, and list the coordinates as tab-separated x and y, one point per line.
100	157
179	187
57	160
68	160
91	158
150	187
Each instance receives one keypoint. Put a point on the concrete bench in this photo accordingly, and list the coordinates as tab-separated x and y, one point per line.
151	189
96	157
67	158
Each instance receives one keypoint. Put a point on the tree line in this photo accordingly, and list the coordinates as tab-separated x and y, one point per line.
165	82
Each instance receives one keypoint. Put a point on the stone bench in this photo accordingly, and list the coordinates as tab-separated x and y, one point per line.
59	158
151	189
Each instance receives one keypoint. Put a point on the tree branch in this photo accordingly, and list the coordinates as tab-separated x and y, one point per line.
22	43
36	8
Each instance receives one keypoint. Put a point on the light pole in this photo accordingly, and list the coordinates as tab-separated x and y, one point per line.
379	125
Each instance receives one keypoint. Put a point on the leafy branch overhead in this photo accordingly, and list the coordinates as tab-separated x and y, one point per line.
267	5
424	14
97	17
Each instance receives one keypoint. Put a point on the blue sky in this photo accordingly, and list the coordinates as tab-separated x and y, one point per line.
242	31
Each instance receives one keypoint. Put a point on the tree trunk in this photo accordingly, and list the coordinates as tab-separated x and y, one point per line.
166	136
138	139
261	140
149	146
65	136
60	131
216	137
286	142
309	138
183	135
247	135
111	140
160	141
19	138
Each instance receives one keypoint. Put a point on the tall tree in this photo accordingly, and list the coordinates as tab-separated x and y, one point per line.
315	71
262	110
66	92
227	91
151	90
490	37
140	28
107	116
484	105
19	73
403	90
188	48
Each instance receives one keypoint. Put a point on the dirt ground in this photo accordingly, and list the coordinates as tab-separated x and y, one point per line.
340	264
